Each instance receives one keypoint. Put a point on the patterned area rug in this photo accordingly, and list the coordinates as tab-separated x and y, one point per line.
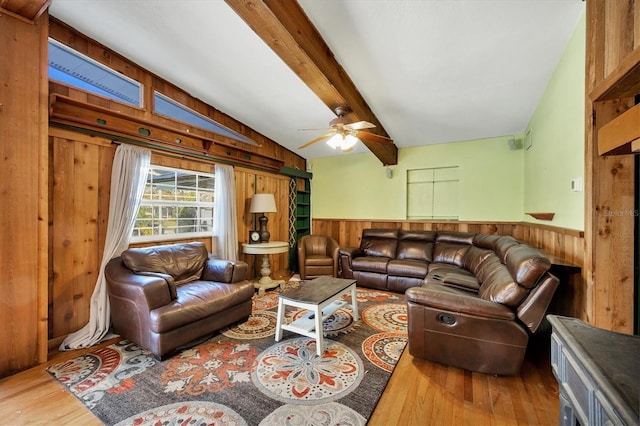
241	376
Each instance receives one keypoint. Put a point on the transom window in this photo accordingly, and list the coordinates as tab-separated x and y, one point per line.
168	107
75	69
176	204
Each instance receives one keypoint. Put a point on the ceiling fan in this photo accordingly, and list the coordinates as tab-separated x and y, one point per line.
344	135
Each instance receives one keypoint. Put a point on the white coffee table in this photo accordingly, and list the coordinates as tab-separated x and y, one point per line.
322	296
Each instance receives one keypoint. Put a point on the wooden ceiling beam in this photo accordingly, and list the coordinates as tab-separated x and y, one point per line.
284	26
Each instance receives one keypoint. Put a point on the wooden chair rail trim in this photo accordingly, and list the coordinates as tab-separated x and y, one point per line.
560	230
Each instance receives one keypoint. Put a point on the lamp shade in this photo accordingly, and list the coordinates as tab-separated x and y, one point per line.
263	203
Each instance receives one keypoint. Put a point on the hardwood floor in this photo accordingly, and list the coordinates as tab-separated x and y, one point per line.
425	393
419	393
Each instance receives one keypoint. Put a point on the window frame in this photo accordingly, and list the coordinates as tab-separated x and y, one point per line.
160	203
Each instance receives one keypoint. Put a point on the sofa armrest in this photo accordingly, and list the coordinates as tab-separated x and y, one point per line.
350	252
533	309
225	271
345	254
452	300
150	290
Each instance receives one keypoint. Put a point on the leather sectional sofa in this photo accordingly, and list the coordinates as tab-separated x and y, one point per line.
166	297
473	299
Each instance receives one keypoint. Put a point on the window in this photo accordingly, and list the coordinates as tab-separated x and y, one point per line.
172	109
176	204
75	69
432	193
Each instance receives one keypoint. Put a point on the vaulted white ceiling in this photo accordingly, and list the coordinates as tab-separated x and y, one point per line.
432	71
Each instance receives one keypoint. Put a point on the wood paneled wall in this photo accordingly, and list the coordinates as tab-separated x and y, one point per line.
566	244
79	205
23	186
612	80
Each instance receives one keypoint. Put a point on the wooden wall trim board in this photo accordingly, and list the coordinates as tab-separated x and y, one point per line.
67	111
618	134
23	194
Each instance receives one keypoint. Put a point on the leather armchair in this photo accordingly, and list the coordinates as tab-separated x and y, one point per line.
166	297
317	255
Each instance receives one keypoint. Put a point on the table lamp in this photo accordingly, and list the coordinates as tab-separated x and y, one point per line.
263	203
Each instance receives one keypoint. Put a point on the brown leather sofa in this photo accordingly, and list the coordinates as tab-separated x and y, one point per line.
317	255
166	297
478	302
389	259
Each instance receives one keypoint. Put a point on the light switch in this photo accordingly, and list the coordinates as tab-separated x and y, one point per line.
576	184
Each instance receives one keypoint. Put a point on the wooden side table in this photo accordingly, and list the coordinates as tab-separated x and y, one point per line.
265	249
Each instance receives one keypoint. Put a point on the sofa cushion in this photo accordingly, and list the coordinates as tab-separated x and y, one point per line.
198	300
370	264
379	242
184	262
318	260
407	268
445	268
449	253
455	237
417	245
485	241
474	257
501	288
526	264
488	267
503	245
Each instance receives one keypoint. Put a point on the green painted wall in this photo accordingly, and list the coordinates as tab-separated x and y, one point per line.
496	183
356	187
557	152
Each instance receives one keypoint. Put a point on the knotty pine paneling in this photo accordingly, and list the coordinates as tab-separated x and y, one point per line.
249	182
611	83
80	181
564	243
81	176
23	201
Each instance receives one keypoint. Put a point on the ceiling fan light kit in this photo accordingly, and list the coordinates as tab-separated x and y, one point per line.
342	141
344	134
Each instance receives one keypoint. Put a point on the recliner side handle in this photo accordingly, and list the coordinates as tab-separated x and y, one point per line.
446	319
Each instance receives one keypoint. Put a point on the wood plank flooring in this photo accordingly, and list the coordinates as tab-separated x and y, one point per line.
419	393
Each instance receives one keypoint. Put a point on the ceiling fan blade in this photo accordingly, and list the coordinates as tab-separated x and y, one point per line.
318	139
373	137
319	128
359	125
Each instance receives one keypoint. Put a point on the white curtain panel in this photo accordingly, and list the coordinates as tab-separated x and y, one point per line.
225	222
128	179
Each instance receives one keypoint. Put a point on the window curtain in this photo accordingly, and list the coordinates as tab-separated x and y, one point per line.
128	179
225	223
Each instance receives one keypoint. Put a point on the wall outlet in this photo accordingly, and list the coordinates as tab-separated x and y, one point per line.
576	184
